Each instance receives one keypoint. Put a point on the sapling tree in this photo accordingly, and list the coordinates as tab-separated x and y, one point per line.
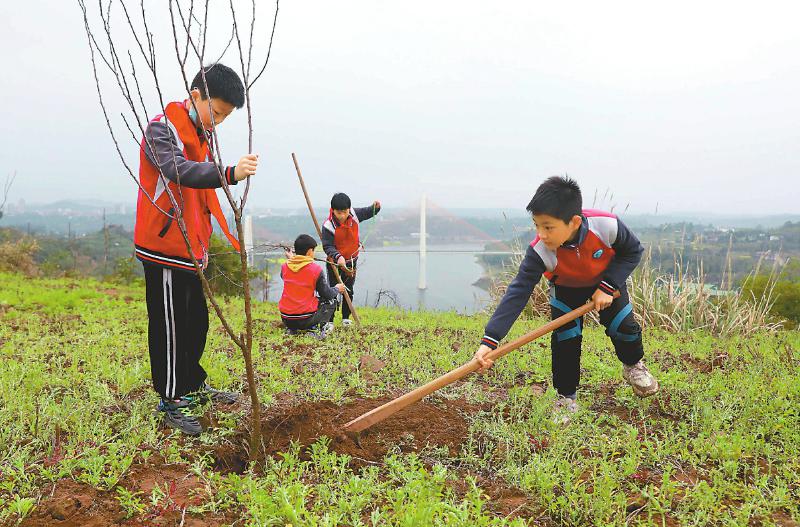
136	47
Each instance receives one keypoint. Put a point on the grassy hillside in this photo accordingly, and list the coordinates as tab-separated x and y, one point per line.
80	444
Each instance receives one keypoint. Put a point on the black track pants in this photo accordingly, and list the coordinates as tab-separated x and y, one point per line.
177	327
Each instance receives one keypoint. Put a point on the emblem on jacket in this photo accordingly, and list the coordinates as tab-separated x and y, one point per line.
598	253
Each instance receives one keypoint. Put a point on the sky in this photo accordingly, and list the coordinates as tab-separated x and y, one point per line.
673	107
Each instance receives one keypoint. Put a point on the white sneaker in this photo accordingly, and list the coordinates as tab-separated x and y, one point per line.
327	327
640	379
347	322
563	408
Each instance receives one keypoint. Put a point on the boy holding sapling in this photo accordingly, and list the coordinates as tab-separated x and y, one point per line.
586	255
175	161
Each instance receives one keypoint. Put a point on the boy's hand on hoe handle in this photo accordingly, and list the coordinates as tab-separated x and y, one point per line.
484	361
341	262
601	300
246	167
341	288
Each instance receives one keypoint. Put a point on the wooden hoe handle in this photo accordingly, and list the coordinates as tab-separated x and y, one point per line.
382	412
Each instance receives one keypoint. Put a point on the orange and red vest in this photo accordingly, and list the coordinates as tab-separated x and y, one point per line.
298	296
582	265
345	235
157	237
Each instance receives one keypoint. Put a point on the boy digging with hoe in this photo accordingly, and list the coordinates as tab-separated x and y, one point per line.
176	145
585	254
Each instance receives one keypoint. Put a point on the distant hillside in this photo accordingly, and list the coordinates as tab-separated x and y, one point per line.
444	225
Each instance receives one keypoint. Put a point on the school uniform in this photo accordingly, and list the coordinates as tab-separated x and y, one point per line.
342	239
176	306
602	256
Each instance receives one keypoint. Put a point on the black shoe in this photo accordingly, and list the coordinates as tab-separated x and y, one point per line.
176	416
218	396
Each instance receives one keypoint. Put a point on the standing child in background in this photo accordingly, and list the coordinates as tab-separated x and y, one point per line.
586	254
307	301
341	242
176	145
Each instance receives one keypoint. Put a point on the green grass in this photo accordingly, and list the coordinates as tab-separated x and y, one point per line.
719	445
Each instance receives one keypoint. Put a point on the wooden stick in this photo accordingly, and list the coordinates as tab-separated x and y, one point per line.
382	412
346	295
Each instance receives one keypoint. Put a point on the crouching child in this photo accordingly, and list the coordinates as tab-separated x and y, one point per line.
307	302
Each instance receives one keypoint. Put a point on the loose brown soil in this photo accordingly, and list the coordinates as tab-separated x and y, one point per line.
428	423
432	423
69	503
706	365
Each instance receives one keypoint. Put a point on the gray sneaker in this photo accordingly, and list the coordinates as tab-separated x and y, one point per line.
218	396
319	335
177	416
640	379
563	409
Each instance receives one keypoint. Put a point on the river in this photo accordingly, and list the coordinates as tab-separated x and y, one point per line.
451	271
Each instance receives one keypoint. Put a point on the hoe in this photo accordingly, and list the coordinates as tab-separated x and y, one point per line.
382	412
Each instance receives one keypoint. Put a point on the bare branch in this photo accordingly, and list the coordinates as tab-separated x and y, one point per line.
246	75
105	112
214	144
269	50
205	29
122	82
148	58
230	41
6	190
252	31
116	68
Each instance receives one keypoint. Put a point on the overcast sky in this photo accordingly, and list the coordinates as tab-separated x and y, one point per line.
691	106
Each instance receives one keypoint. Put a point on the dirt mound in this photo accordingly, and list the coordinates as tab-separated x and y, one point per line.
73	504
433	422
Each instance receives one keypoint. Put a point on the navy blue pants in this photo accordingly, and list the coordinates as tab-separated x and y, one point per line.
565	342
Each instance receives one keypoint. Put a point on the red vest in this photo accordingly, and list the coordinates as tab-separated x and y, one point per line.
298	290
584	265
156	236
345	237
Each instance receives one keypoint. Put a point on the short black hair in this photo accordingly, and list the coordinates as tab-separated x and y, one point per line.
223	83
559	197
340	201
303	243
